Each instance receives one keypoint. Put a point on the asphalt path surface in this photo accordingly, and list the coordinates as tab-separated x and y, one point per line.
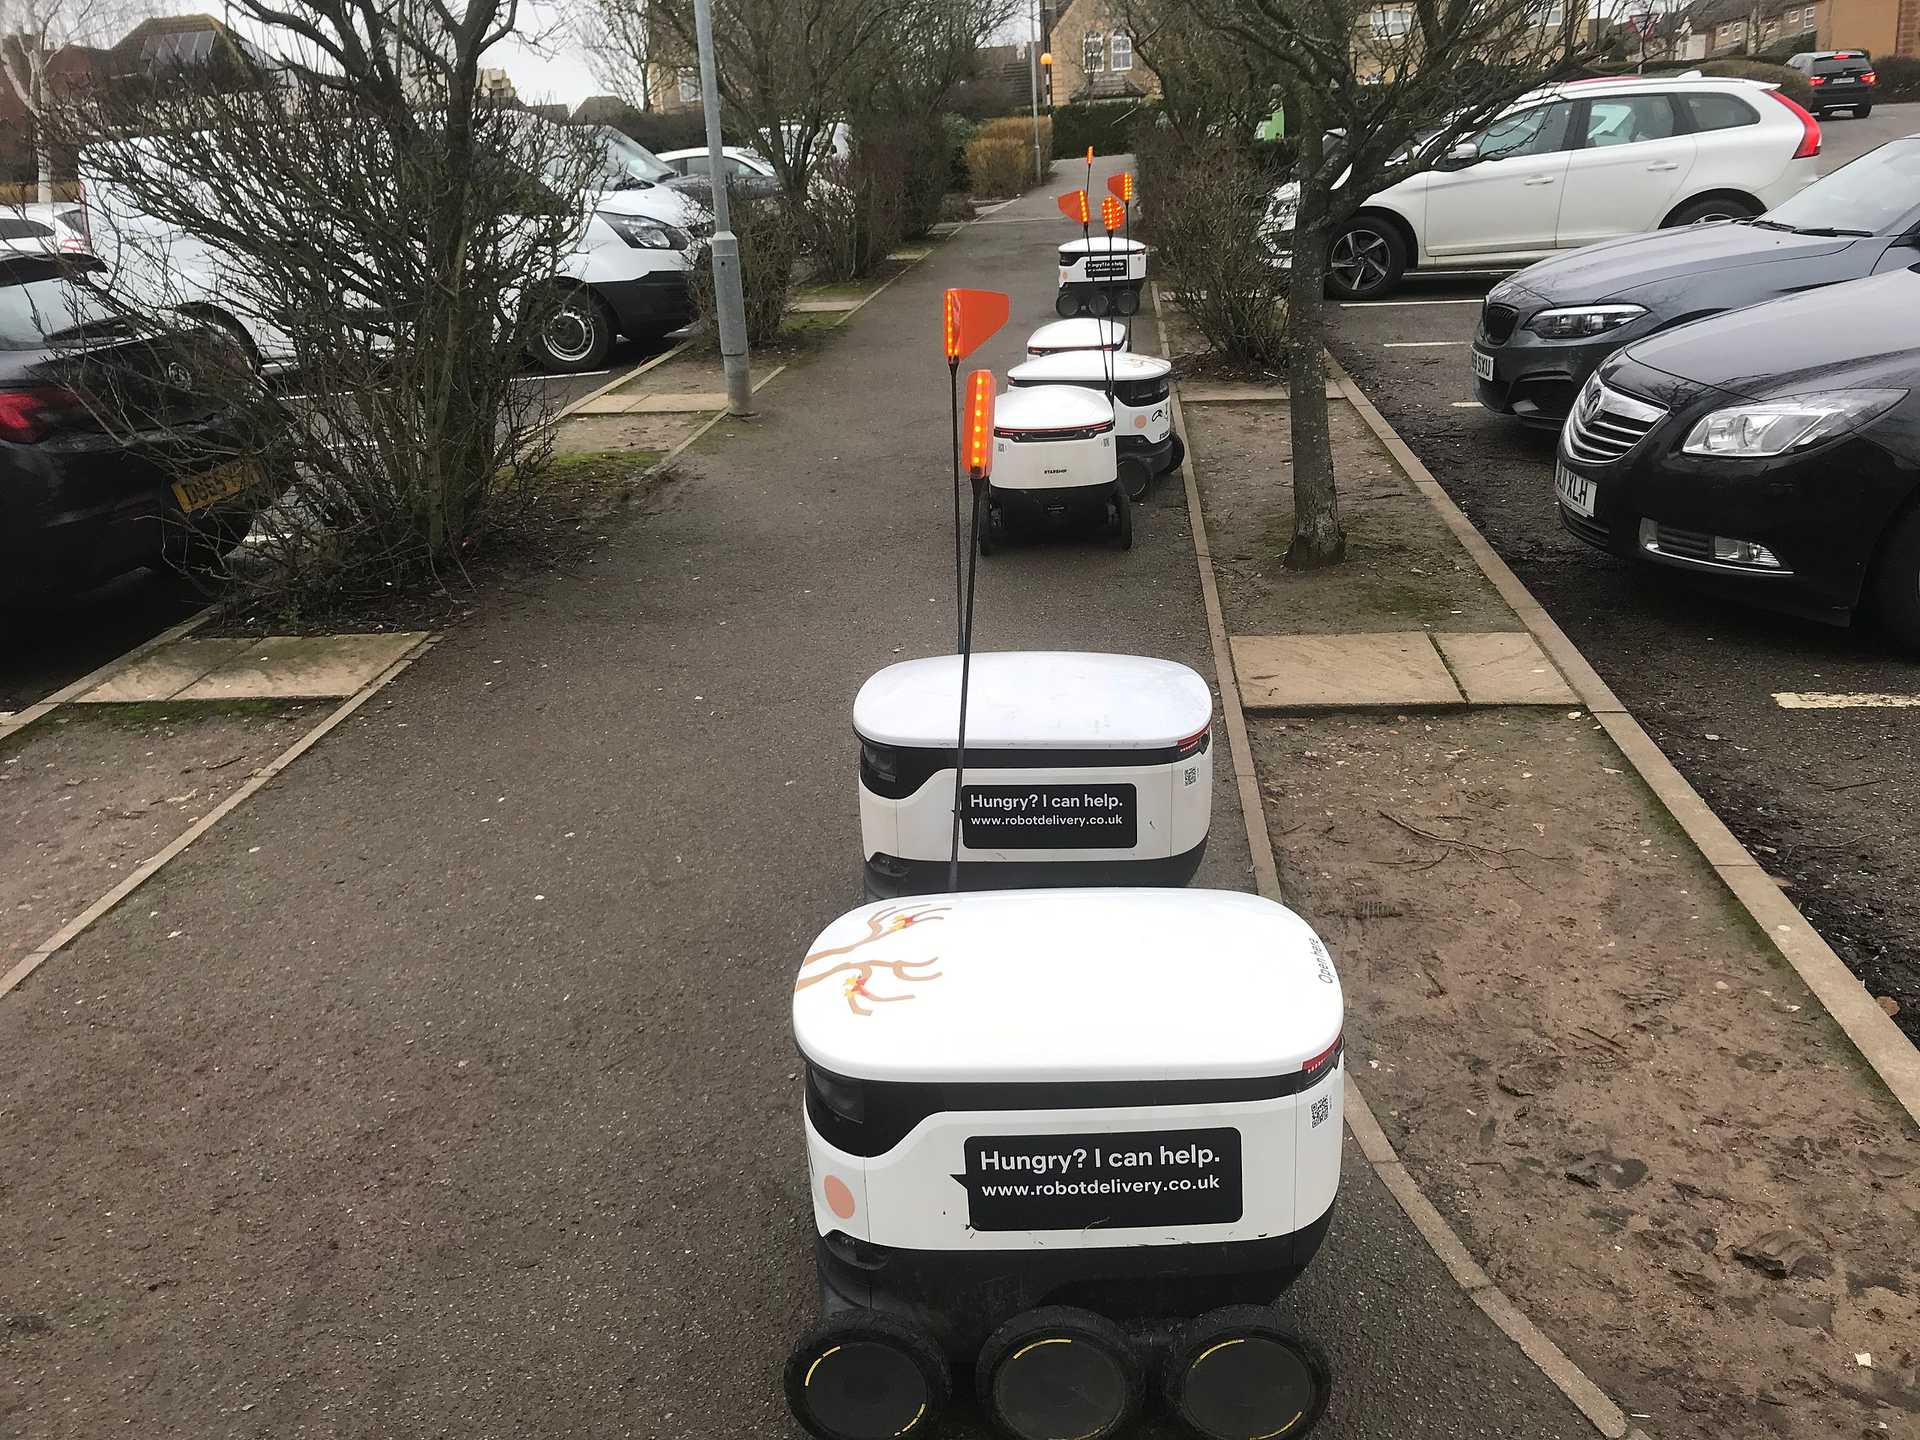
447	1087
50	641
1824	798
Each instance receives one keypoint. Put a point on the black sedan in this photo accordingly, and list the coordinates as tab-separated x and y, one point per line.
1543	331
1775	450
121	444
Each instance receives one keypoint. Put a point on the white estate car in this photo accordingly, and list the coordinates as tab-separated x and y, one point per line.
35	229
1568	166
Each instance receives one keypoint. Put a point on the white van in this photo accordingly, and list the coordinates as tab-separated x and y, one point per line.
626	275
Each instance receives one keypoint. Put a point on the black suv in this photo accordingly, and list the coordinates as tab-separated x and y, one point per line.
1841	80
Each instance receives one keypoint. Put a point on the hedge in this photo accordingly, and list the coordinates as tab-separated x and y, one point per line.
1106	125
1790	81
1899	77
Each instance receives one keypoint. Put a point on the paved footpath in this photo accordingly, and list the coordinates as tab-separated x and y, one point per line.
447	1087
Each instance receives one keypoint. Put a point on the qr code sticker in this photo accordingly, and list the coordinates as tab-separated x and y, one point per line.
1190	775
1322	1108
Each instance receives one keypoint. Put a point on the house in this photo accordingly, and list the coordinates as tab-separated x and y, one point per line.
1879	27
1383	35
1093	55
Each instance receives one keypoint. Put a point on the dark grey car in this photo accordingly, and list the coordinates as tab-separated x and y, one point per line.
1545	330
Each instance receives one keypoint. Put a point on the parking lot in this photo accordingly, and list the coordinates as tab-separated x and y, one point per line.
1824	796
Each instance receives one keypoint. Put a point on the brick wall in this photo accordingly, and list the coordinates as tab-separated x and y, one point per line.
1068	45
1907	40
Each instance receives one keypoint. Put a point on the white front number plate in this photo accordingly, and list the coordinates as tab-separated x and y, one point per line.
1575	490
1483	365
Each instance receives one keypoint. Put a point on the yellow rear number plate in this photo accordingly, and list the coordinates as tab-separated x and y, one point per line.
197	492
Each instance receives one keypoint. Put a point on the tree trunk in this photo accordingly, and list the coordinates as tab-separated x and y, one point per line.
42	152
1318	538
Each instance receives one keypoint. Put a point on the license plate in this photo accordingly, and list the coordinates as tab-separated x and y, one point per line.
1049	817
1068	1182
1576	491
197	492
1482	364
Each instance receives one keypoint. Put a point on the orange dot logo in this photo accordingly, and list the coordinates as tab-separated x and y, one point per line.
839	1197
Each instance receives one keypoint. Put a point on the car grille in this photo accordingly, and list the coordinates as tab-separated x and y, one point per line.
1606	425
1686	544
1497	321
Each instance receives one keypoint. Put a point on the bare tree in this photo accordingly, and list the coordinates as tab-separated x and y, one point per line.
1393	85
399	236
35	35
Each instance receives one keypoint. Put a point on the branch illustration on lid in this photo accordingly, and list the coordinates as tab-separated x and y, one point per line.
855	974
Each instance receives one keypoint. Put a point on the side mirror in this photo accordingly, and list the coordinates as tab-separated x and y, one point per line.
1460	156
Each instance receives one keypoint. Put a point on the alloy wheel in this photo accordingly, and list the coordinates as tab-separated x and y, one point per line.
1359	260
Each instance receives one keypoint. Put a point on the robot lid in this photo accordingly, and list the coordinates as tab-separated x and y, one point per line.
1099	245
1087	367
1036	700
1052	410
1069	987
1078	334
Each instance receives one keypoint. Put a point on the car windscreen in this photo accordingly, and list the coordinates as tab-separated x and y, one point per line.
1842	65
1878	194
47	302
626	156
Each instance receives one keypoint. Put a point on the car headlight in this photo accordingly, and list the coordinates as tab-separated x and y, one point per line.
643	234
1773	427
1574	321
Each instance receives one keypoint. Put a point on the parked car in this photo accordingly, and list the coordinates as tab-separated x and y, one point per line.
1573	165
1544	331
121	445
626	275
36	229
1841	80
1775	450
748	173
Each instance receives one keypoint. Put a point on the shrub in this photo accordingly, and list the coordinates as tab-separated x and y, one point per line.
859	209
1208	203
670	130
1791	82
1106	125
999	165
769	236
927	168
1899	77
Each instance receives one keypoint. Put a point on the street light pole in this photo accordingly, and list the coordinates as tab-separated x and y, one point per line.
729	299
1033	76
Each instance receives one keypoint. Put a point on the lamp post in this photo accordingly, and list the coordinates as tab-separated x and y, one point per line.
729	298
1033	77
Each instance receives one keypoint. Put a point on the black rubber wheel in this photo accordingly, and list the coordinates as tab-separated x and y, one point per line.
1127	303
862	1375
1367	258
1120	511
1713	207
1066	304
1861	112
1099	303
1896	583
576	336
1059	1371
1177	456
1238	1372
985	538
1135	476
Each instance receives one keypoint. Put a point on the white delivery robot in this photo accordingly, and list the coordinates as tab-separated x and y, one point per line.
1055	466
1146	442
1083	334
1082	769
1101	274
1067	1140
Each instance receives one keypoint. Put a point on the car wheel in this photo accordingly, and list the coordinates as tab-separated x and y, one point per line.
1896	582
576	336
1120	514
1366	259
1711	208
1860	112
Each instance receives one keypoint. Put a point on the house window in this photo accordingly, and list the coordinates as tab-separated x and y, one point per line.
1121	47
1550	15
1390	23
1093	53
689	87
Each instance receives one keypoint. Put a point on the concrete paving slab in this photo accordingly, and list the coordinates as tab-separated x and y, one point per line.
163	673
1506	668
298	667
1339	672
654	404
909	252
824	307
1232	392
